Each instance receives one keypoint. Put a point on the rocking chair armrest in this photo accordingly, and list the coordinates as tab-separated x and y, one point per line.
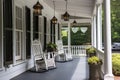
49	55
37	57
44	55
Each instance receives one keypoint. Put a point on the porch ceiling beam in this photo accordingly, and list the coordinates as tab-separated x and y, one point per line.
78	21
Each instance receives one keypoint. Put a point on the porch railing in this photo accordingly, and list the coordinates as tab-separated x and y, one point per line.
100	54
77	50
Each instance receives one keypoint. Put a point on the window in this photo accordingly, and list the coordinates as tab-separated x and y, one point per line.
19	33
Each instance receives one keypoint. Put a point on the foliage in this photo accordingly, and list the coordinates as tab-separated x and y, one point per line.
65	40
115	20
94	60
51	47
91	50
78	38
116	64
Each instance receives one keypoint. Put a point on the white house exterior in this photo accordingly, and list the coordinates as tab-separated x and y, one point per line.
18	28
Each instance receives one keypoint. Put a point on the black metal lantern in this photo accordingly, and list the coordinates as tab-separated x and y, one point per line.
54	19
74	22
37	9
66	14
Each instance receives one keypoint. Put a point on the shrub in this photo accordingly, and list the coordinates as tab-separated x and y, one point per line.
51	47
116	64
91	51
94	60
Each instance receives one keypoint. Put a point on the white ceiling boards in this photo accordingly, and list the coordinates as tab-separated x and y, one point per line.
80	8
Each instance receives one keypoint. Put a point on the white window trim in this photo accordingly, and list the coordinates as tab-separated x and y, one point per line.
16	62
41	29
20	33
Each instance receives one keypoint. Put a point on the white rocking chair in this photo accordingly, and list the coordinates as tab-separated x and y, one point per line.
62	54
42	60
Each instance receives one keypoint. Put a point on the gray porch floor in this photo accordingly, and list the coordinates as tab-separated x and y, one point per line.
72	70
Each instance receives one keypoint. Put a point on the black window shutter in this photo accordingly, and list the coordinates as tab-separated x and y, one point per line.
28	32
7	32
45	31
58	31
51	27
54	32
35	27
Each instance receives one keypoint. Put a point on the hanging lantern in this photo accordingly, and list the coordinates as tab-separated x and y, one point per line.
37	9
54	19
66	14
74	22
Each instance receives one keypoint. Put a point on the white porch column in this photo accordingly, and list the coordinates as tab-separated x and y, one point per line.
107	42
99	27
69	39
60	31
94	29
92	32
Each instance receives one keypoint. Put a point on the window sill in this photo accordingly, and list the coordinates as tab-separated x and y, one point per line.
18	62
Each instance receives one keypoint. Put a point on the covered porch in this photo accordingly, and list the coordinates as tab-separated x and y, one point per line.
19	27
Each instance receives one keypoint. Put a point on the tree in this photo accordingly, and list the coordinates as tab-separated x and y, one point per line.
115	20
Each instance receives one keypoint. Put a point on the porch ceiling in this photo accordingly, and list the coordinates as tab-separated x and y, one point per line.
79	8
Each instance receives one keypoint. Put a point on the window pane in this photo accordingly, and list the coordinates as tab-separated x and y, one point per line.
18	18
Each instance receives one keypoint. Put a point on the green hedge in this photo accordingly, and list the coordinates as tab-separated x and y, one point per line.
116	64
